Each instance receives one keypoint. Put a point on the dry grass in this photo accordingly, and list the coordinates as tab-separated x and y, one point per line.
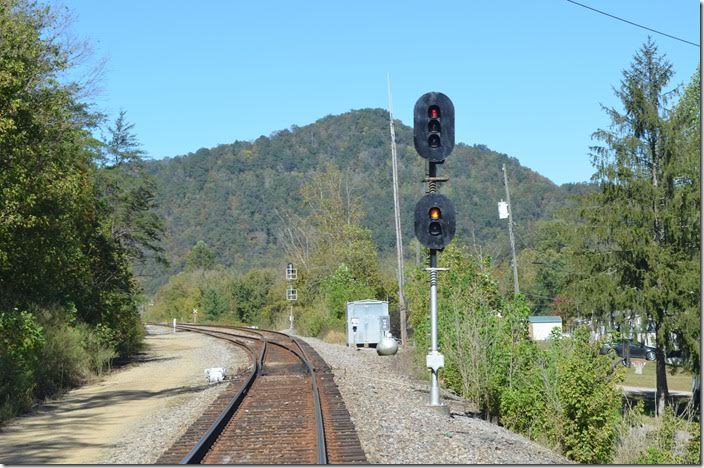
334	337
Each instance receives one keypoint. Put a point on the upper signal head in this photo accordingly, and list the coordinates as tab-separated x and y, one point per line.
434	126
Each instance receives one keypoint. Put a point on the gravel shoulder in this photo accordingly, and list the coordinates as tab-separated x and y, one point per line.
132	415
395	425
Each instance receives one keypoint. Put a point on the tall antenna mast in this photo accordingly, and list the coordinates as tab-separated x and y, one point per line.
397	219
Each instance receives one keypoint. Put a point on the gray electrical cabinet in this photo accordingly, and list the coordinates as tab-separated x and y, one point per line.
367	322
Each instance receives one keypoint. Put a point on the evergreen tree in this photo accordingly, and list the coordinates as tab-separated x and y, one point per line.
129	195
632	257
200	257
213	304
684	221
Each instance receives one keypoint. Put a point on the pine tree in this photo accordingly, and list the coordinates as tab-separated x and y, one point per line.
129	195
633	254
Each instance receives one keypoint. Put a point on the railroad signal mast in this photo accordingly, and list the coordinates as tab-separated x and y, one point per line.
291	292
434	223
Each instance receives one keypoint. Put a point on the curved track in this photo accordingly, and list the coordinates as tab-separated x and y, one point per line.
285	408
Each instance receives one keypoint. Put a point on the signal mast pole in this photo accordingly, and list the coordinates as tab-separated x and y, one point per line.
434	222
397	222
291	292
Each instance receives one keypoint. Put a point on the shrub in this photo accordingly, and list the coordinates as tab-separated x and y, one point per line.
565	396
64	361
99	344
589	400
46	351
311	321
663	446
524	405
340	288
468	327
21	341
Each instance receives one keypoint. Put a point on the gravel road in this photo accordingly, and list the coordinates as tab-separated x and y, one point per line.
396	427
132	415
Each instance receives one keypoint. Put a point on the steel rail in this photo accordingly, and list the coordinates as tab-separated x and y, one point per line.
319	425
320	434
198	452
205	443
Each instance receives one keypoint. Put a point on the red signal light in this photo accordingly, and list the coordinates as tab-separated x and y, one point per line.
434	112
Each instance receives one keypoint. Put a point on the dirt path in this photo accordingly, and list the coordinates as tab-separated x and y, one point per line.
129	417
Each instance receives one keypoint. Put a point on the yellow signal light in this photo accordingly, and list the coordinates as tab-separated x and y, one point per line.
434	213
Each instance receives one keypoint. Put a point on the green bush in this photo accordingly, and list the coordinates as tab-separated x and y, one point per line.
124	321
662	446
566	396
590	403
46	351
100	344
694	446
21	341
524	407
468	305
312	321
64	361
342	287
213	304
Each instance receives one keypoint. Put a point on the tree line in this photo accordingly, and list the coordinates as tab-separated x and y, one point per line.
232	196
76	212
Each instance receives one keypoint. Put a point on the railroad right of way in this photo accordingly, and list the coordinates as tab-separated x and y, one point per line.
395	426
284	409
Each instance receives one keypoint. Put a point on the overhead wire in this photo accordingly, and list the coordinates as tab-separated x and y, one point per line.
634	24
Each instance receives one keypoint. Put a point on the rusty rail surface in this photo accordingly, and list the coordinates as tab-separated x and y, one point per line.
285	409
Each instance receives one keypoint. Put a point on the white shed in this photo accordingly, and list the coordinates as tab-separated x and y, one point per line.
540	326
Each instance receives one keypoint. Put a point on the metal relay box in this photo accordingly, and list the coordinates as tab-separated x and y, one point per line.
367	322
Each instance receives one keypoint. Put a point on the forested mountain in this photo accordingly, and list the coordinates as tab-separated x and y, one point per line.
234	196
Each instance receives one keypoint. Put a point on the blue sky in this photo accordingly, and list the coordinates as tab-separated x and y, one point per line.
526	77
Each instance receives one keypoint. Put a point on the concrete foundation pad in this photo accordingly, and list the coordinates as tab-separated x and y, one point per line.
441	409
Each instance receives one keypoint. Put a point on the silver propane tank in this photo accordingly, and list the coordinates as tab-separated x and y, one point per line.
387	346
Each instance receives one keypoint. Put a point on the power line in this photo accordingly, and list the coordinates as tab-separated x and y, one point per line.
634	24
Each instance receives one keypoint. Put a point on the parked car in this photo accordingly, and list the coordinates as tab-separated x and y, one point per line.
635	350
674	358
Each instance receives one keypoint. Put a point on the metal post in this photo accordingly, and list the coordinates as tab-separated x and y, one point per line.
434	360
291	294
434	386
174	325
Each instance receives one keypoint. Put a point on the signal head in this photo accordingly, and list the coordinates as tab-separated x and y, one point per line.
434	126
434	222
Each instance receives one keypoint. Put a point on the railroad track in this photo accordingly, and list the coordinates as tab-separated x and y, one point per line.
285	408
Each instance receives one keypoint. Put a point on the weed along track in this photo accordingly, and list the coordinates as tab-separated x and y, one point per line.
285	408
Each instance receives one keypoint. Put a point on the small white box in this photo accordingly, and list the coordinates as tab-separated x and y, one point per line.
435	361
215	374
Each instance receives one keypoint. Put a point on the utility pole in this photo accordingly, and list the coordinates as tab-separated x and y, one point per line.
397	222
696	376
516	291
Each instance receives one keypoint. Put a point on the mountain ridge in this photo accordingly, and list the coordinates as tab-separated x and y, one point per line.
226	195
